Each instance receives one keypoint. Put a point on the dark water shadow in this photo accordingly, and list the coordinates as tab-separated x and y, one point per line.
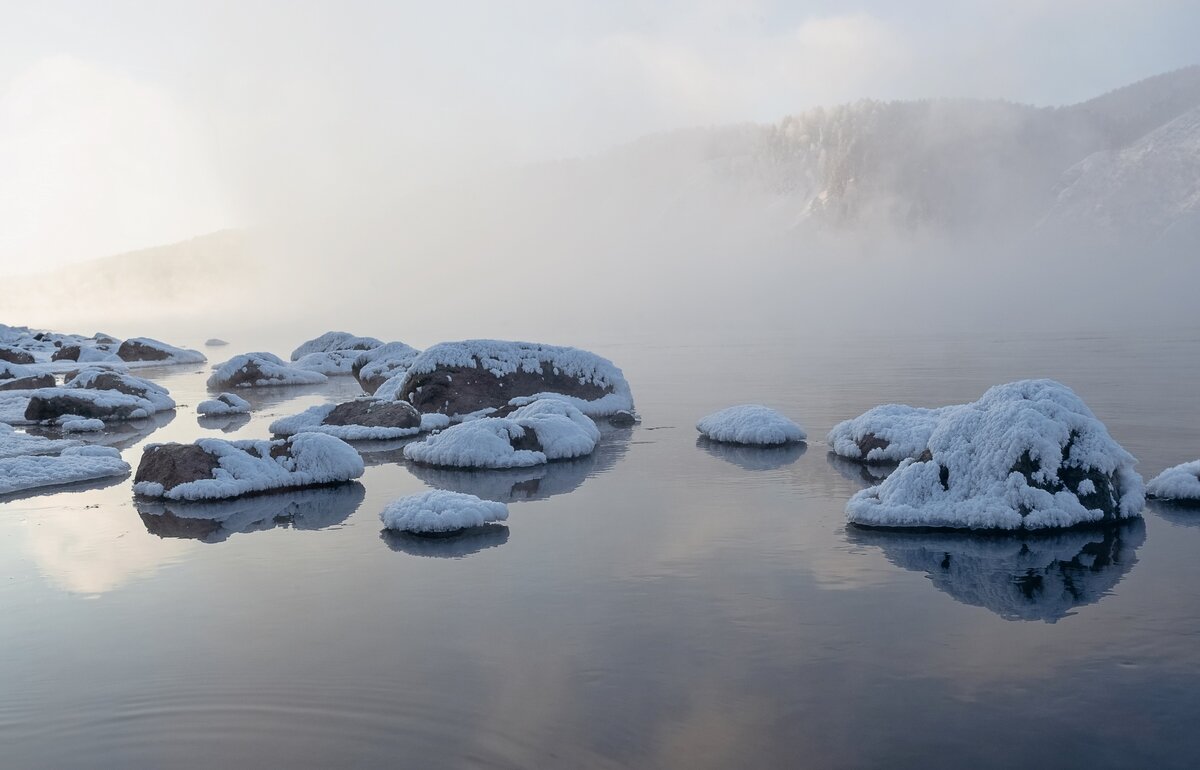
226	423
1184	513
860	472
754	458
1018	576
455	546
118	435
384	452
213	522
508	485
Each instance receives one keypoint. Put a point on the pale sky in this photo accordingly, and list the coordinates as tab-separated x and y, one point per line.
131	124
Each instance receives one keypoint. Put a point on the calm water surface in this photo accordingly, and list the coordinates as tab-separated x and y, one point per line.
665	603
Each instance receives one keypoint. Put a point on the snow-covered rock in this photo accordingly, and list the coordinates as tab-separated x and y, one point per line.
473	376
215	342
331	341
1021	575
332	364
75	464
260	370
1027	455
372	368
226	403
14	443
13	355
547	429
364	419
99	394
215	521
886	434
212	469
439	512
19	377
1181	482
750	424
80	425
146	350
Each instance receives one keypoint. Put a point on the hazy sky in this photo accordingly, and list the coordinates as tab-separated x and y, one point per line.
129	124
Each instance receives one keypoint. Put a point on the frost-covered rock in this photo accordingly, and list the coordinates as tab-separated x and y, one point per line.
1181	482
80	425
331	341
260	370
75	464
144	349
14	355
364	419
373	368
226	403
1020	575
469	377
212	469
99	394
886	434
750	424
18	377
1027	455
14	443
332	364
439	512
215	521
546	429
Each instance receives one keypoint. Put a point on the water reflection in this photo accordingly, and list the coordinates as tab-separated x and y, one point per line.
753	458
1028	576
1179	512
456	546
213	522
859	472
118	435
90	485
537	483
226	423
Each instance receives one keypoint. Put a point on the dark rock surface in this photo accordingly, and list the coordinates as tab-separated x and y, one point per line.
372	413
175	464
458	390
28	383
15	355
133	350
51	406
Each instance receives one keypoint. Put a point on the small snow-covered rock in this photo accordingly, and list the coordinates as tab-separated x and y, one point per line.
212	469
886	434
260	370
75	464
1027	455
14	355
750	424
144	349
439	512
80	425
372	368
215	342
331	341
469	377
1181	482
547	429
226	403
363	419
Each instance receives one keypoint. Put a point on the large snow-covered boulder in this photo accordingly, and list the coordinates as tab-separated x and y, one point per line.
886	434
19	377
1027	455
1017	575
260	370
364	419
75	464
372	368
439	512
1181	482
212	469
226	403
99	394
146	350
750	424
15	355
473	376
331	341
544	430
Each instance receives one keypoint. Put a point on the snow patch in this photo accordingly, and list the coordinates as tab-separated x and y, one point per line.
440	512
1181	482
75	464
751	424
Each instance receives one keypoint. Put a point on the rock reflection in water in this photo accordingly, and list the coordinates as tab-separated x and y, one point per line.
454	546
508	485
226	423
754	458
212	522
860	472
1026	576
118	435
1184	513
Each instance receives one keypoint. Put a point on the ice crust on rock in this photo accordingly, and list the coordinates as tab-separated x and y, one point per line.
247	467
886	434
331	341
260	370
441	512
75	464
226	403
1181	482
495	373
1015	459
750	424
547	429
